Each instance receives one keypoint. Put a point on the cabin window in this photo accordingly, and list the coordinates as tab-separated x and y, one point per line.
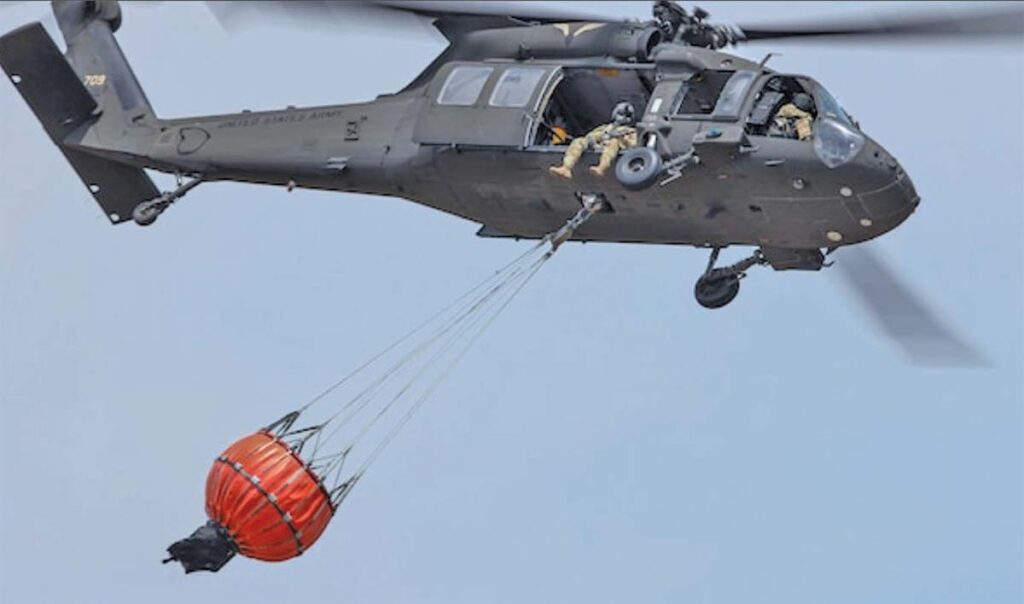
463	85
516	86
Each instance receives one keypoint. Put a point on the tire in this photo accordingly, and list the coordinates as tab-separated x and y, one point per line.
146	213
716	293
638	168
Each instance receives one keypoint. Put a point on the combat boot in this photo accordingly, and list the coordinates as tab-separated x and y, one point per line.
561	171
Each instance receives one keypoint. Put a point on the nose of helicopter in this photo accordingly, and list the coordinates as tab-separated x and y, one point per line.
891	197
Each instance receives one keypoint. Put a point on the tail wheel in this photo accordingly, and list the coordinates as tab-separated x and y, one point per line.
147	212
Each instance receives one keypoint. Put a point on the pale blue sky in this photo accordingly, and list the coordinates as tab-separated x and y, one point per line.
608	441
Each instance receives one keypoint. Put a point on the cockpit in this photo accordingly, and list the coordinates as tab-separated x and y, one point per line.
779	106
801	109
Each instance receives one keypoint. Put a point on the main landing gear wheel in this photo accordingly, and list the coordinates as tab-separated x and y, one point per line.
716	292
719	286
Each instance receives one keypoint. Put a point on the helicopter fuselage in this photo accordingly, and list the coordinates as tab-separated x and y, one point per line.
746	189
475	138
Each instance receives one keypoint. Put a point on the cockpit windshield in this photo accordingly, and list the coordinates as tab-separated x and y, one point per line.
837	139
829	106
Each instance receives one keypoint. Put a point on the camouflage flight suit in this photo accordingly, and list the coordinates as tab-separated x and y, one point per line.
801	120
609	138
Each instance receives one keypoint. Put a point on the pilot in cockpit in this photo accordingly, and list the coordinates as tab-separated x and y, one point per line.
793	120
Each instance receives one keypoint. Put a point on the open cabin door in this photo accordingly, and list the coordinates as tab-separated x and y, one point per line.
491	104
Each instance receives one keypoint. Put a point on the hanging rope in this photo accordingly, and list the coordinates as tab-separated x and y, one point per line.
450	332
471	327
375	454
397	381
323	394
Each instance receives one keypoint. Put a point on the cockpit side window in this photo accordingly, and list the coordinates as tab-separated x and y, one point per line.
733	94
464	84
515	87
700	94
782	108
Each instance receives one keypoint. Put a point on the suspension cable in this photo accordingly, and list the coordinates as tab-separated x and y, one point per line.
375	454
418	328
453	330
450	335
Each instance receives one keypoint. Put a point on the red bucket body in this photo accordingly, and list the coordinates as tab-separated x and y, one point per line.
272	505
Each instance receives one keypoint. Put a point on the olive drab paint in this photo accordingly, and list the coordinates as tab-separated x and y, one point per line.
476	133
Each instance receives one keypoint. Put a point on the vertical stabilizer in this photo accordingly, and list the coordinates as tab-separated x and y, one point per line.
88	28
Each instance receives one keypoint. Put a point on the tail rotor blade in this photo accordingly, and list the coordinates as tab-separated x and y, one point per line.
901	315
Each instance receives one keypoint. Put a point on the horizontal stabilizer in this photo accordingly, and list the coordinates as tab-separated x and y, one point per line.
62	104
118	188
45	79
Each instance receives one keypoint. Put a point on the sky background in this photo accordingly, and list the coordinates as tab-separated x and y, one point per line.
607	441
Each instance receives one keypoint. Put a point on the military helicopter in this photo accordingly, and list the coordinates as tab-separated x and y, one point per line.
476	133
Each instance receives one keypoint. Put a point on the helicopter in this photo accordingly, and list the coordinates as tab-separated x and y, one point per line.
476	133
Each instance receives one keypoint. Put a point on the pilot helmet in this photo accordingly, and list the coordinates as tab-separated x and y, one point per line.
624	114
803	101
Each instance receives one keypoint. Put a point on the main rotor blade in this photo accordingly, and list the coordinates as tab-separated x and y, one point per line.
901	314
384	14
235	15
1001	23
527	11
